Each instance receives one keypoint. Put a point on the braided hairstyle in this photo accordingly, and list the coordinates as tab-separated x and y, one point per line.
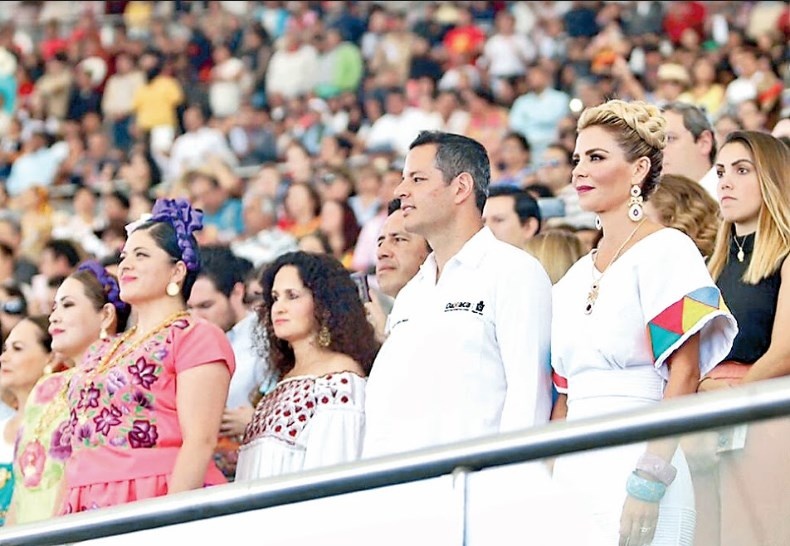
640	130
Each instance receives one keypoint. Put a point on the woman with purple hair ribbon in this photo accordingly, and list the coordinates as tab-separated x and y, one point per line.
146	405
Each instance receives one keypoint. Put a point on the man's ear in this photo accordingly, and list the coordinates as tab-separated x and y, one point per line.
705	143
465	187
530	227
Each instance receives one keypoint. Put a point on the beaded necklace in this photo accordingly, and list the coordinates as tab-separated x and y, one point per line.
59	403
109	356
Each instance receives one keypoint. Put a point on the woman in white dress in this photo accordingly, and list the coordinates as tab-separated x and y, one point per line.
637	320
322	347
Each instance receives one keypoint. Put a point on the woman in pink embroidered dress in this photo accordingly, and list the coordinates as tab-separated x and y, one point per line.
322	346
87	307
146	405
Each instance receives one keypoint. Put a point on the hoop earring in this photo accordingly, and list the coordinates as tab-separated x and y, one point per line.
172	289
635	210
324	337
103	333
598	224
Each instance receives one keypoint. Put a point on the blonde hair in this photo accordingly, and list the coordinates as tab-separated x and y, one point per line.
640	130
771	158
683	204
557	250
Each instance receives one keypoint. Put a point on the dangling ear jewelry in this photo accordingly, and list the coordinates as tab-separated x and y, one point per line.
324	337
48	369
598	224
103	333
172	289
635	211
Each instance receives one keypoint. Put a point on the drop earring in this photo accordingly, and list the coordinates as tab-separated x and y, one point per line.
635	210
103	333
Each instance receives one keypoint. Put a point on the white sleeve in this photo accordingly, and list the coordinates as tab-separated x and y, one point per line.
335	437
523	331
335	431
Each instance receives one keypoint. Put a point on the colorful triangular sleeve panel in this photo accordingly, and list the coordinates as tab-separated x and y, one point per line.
701	310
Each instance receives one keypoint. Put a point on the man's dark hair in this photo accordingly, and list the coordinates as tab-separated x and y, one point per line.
223	268
63	248
518	137
392	206
525	205
456	154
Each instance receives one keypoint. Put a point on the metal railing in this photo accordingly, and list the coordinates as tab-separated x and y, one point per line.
672	417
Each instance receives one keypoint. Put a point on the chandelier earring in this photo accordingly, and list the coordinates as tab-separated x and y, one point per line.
635	210
324	337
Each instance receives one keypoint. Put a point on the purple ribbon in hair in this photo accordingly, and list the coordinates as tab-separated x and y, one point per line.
185	220
108	283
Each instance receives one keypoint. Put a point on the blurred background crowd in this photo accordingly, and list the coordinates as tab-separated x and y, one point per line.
287	122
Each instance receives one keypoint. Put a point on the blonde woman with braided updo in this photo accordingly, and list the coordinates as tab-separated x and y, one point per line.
681	203
636	320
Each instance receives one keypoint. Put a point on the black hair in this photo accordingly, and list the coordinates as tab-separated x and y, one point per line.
521	139
122	198
164	235
337	306
223	268
456	154
524	204
63	248
392	206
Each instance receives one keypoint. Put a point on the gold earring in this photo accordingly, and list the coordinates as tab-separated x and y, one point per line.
635	210
103	333
324	337
48	369
172	289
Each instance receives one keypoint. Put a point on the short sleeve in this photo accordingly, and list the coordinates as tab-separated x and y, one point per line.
679	299
201	343
335	432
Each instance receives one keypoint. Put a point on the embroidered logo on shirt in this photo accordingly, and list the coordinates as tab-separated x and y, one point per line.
465	306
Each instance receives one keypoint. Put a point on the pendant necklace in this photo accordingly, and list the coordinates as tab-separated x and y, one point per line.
741	254
592	296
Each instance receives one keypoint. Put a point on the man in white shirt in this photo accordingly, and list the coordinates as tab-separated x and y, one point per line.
467	352
691	145
193	149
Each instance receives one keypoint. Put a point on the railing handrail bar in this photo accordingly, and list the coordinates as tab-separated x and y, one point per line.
685	415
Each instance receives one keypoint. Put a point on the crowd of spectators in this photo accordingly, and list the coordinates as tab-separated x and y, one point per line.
288	125
287	122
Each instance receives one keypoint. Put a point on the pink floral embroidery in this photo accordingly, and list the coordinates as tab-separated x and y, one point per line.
61	442
107	418
89	397
48	388
143	434
31	464
143	373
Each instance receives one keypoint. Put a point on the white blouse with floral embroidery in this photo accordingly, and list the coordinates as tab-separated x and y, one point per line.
305	422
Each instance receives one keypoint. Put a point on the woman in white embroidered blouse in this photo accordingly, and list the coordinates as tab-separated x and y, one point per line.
322	347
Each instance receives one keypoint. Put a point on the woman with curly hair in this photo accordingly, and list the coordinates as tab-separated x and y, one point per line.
322	347
636	321
681	203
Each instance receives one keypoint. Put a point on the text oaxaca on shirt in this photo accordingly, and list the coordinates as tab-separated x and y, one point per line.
465	357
